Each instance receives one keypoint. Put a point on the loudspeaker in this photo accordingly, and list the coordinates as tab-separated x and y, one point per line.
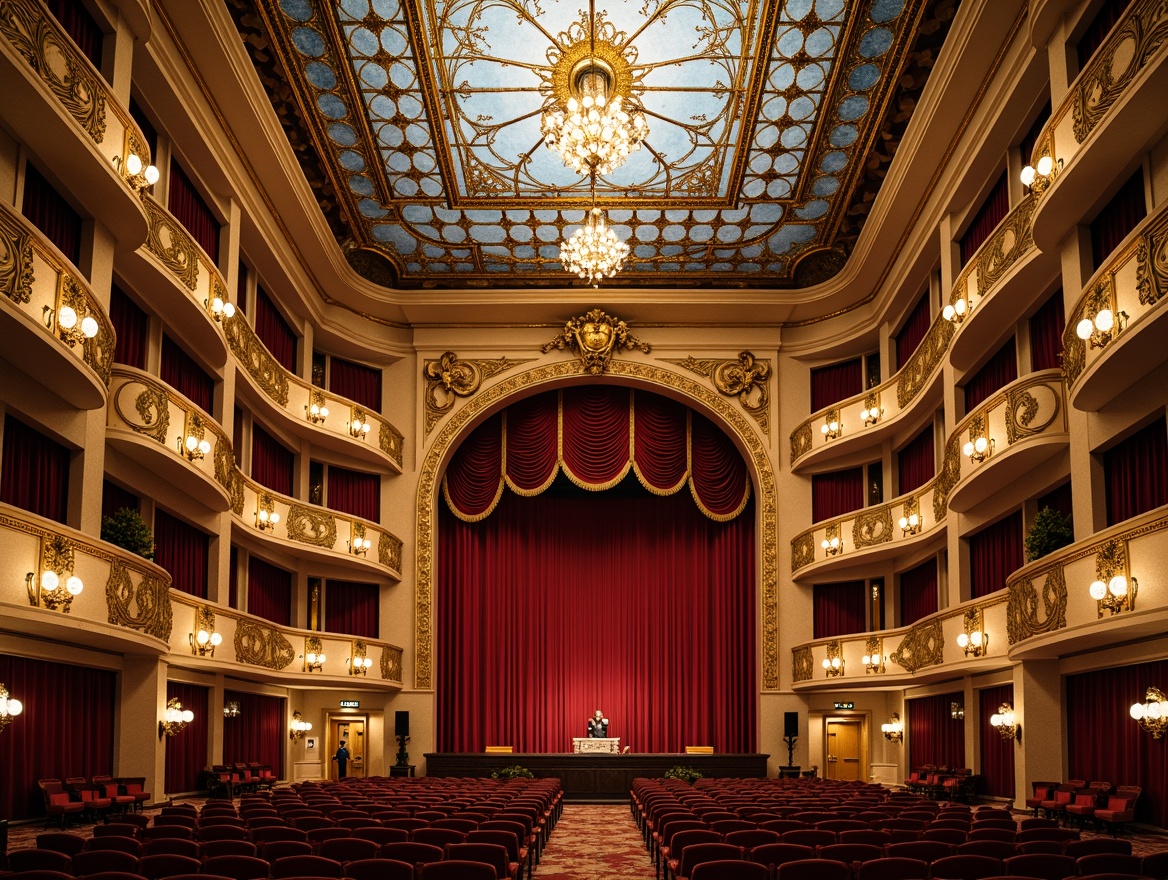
790	724
401	723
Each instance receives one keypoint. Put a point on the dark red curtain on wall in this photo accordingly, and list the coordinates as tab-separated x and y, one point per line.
258	732
998	372
35	471
51	214
997	754
144	123
186	753
995	207
352	608
43	741
1060	499
995	553
182	550
1046	333
1135	473
274	332
114	498
356	382
354	492
189	209
934	736
836	382
836	493
916	464
1103	742
271	462
79	25
1030	139
1118	218
840	609
269	592
1105	19
918	592
130	328
916	326
182	373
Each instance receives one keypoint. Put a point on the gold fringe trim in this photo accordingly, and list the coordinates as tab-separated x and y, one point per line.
583	484
716	517
649	487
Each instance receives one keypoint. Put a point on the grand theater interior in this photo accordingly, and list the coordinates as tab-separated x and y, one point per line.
783	379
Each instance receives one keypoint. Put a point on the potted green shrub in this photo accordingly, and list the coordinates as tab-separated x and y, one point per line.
1050	531
126	529
513	771
685	774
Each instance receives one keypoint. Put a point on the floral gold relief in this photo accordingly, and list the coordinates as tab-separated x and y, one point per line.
916	373
145	606
389	551
173	246
262	645
596	337
391	664
802	664
450	378
1022	616
745	378
1151	263
309	526
923	645
255	359
16	273
872	527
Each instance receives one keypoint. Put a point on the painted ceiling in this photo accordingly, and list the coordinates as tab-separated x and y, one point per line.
418	124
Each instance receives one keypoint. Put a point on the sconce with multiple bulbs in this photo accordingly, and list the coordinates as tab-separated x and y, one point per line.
194	444
10	707
51	591
139	177
1113	590
833	663
359	544
1152	714
175	720
298	728
974	640
1101	329
874	659
910	520
69	325
231	709
313	654
872	410
219	308
204	640
957	311
831	427
358	663
359	424
1040	175
893	728
832	546
266	516
957	711
978	449
317	410
1005	721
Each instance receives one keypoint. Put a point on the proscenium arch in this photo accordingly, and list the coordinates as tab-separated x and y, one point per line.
721	409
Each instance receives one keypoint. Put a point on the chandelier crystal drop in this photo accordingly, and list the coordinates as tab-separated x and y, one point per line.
594	251
595	133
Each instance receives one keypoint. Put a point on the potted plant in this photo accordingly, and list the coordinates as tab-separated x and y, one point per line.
512	771
126	529
1050	531
685	774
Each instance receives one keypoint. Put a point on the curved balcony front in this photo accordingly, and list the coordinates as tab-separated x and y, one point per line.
1133	285
867	535
1022	426
38	282
314	532
153	424
1112	113
124	604
267	651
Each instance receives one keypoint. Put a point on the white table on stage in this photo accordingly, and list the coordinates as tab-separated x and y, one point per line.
589	745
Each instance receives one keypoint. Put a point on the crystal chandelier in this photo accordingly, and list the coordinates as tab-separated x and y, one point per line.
594	251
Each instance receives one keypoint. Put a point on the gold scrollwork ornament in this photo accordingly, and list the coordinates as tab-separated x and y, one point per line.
745	378
449	378
596	336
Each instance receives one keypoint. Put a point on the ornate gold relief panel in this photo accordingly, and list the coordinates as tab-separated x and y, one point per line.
16	272
262	645
915	374
923	645
450	378
746	378
260	365
389	551
802	664
1009	242
1022	617
310	526
1152	263
1031	410
872	527
391	664
145	607
802	551
173	246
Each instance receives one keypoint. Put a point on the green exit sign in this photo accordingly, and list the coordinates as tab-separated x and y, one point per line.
837	705
350	704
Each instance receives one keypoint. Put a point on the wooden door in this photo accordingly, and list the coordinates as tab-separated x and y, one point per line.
844	760
352	732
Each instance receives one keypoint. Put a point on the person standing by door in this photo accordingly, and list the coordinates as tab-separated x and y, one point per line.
342	759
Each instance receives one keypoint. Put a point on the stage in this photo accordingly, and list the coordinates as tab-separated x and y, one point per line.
596	777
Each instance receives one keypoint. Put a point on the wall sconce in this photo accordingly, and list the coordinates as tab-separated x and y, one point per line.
359	424
298	728
266	516
957	711
359	545
831	428
204	640
138	177
833	663
9	707
313	655
1112	589
194	445
873	663
67	326
1039	176
872	410
219	308
1101	329
358	663
57	586
978	449
316	411
176	719
231	709
893	729
974	640
957	311
1152	714
910	520
832	544
1006	722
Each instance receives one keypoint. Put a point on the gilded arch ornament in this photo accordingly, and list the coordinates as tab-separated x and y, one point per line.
451	431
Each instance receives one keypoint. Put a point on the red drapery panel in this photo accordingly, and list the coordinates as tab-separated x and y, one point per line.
1103	742
233	578
130	326
596	434
182	373
356	382
114	498
934	735
995	553
1135	473
916	464
352	608
836	493
272	463
1046	333
1059	499
186	754
79	25
354	492
1100	26
532	444
836	382
840	609
189	209
660	450
51	214
269	591
35	471
916	325
997	754
998	372
1118	218
918	592
995	207
274	332
43	742
258	732
182	550
570	601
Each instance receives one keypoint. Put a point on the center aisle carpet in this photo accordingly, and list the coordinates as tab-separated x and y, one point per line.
595	842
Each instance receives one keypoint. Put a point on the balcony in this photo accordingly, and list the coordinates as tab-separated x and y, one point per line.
1014	431
1132	287
41	286
315	532
171	437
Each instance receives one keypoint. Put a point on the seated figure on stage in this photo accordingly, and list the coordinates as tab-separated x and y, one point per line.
598	725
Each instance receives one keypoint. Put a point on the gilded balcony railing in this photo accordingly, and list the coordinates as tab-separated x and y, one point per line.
1010	242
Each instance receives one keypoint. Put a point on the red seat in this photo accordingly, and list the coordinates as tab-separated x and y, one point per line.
61	841
731	869
100	860
278	849
850	853
506	839
21	860
966	867
456	870
995	849
306	866
1040	865
810	837
172	846
121	844
697	853
813	869
1077	848
1120	809
488	853
893	868
158	867
237	867
212	848
58	802
221	832
439	837
379	869
925	850
411	853
1110	863
1041	791
381	835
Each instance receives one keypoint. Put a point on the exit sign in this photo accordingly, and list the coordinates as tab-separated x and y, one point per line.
350	704
837	705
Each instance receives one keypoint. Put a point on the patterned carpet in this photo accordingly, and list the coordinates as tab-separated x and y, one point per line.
595	842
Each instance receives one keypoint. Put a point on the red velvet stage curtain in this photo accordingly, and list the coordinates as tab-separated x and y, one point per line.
1105	19
269	591
182	550
79	25
130	327
1046	333
274	332
997	754
916	463
272	463
915	328
1030	139
1118	218
1135	473
840	609
352	608
836	382
569	601
918	592
44	741
999	371
35	471
836	493
1103	742
354	492
189	209
934	736
995	553
356	382
186	753
51	214
995	207
258	732
114	498
182	373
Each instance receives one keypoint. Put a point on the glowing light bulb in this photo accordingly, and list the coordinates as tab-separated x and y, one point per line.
152	175
960	306
967	449
1117	586
1105	320
67	318
1098	590
1084	329
216	640
202	638
50	581
1027	175
962	640
74	586
133	165
1045	166
980	444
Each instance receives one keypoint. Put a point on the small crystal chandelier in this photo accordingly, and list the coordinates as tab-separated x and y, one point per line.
594	251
